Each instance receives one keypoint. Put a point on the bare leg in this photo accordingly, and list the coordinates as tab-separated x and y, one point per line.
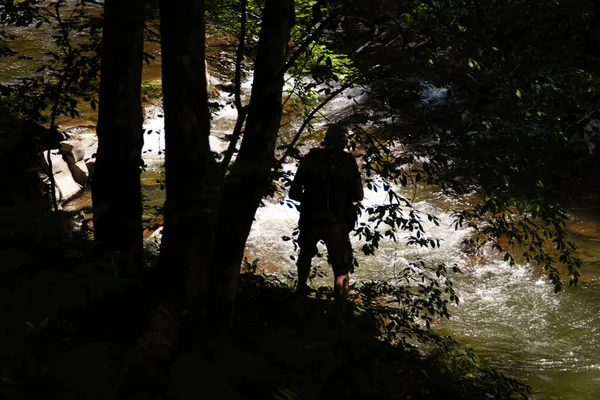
303	264
341	286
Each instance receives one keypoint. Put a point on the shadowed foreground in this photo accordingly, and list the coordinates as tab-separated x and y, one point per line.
69	331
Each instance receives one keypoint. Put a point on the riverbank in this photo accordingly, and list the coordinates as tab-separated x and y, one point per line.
69	329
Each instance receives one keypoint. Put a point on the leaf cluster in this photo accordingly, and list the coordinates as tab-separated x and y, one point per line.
490	99
68	72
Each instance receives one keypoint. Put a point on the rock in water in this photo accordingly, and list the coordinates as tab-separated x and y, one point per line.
66	187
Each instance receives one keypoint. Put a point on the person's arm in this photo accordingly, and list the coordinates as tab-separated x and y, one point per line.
358	192
297	184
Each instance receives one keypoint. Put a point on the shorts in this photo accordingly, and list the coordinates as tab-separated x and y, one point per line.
335	236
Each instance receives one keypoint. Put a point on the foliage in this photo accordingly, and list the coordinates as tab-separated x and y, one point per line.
496	109
226	15
66	73
507	89
437	368
398	311
152	89
67	321
314	70
469	89
419	293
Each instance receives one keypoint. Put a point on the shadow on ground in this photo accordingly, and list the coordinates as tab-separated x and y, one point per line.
69	328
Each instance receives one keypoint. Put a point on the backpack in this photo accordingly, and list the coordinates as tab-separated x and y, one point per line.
330	178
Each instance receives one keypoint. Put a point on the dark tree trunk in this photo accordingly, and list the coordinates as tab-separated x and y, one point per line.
116	186
249	176
193	188
192	181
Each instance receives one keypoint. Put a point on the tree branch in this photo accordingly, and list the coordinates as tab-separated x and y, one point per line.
311	38
235	136
307	120
296	81
242	110
240	56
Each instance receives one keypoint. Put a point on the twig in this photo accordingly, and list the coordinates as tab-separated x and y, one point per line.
296	81
240	57
302	48
242	110
307	120
50	174
233	139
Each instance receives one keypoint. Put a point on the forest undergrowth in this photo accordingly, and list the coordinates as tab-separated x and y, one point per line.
68	331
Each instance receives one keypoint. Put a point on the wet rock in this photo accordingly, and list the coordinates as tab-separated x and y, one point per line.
153	226
227	88
82	202
73	151
152	244
66	187
585	143
587	228
80	172
215	106
81	145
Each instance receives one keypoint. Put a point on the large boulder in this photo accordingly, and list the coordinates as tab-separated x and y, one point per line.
83	145
66	187
72	150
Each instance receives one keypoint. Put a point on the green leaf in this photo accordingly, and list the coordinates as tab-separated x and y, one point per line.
519	93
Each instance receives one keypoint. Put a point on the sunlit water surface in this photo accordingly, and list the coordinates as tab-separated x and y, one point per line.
509	315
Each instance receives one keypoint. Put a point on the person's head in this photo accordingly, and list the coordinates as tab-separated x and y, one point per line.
336	137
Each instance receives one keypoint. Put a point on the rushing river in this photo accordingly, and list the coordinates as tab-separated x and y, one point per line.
508	315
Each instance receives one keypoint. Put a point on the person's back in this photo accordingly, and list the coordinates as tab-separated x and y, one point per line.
329	178
326	185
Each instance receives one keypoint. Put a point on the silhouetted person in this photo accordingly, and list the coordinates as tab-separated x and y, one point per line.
326	185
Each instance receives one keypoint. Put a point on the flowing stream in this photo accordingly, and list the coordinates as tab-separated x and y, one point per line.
508	315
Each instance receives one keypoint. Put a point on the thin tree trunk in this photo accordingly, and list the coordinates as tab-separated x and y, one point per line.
249	176
116	190
192	180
